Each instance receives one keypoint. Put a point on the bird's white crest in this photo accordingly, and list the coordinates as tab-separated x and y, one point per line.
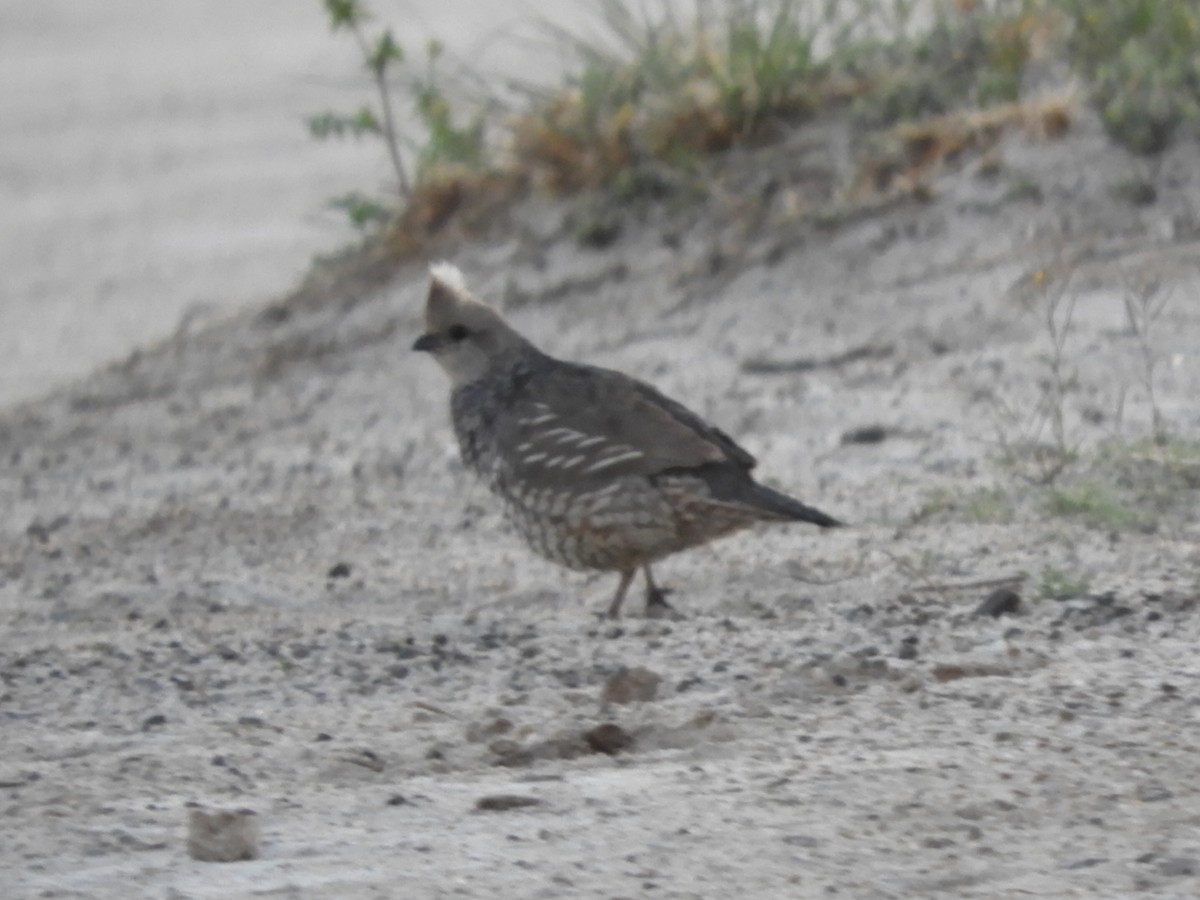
450	275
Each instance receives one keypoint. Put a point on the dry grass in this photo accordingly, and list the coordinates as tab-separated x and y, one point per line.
671	86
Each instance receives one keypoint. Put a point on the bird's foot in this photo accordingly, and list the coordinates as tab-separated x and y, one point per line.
657	606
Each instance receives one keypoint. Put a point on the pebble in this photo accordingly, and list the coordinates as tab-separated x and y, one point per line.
223	835
1000	602
503	802
636	685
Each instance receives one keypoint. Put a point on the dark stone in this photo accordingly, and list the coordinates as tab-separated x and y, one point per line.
865	434
1000	602
608	738
503	802
1178	866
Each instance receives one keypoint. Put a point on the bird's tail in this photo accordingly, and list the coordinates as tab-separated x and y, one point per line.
786	507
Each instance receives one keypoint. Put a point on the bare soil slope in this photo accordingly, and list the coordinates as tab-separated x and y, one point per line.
247	571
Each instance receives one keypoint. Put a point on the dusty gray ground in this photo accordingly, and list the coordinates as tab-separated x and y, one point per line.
833	718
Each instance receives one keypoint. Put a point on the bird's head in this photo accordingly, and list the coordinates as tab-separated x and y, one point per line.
466	336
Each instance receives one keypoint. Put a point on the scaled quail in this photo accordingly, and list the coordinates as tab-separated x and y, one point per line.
595	469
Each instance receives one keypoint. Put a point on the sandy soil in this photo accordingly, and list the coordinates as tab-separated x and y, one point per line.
245	570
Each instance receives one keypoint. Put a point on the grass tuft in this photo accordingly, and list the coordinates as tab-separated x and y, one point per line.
1059	585
1097	506
668	84
1140	58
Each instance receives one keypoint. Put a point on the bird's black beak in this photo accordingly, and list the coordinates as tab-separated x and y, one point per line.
427	343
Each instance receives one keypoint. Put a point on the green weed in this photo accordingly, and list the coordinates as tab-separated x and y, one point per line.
1095	505
448	148
1057	584
1140	58
985	506
669	84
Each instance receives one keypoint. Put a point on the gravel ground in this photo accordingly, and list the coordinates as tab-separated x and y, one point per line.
245	571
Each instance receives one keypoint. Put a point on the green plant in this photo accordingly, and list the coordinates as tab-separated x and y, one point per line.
1061	378
989	506
1140	59
985	506
380	54
666	84
1095	505
446	145
1040	460
1156	478
1057	584
363	212
661	87
1145	300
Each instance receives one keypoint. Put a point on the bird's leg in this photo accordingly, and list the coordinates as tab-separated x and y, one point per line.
614	609
657	606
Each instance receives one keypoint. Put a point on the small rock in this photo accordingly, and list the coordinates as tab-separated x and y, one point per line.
866	434
368	759
223	836
1000	602
502	802
481	731
637	685
397	800
1086	863
908	648
158	720
608	738
938	843
801	840
339	570
949	672
565	745
1178	866
510	753
19	779
1153	792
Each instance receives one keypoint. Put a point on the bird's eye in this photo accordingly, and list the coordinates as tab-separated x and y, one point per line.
457	332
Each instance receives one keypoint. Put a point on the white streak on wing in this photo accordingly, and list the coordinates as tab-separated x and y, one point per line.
573	462
610	461
537	420
533	457
591	441
608	489
525	446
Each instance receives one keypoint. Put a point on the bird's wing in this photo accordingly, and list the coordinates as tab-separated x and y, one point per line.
581	423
